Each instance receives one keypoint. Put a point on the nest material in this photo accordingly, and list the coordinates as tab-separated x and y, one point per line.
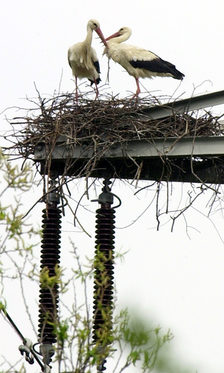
105	121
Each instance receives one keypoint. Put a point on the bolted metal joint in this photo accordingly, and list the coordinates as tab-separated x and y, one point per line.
106	198
47	351
53	197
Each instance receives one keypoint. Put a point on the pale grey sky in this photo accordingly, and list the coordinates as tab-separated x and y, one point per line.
176	280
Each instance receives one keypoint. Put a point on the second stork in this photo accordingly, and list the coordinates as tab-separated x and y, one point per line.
138	62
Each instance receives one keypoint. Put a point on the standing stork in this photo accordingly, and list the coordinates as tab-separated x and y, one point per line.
138	62
82	57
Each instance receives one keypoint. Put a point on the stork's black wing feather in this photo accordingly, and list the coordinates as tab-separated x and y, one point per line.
97	67
157	65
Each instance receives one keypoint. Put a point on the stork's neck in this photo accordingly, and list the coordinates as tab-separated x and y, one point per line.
119	39
89	36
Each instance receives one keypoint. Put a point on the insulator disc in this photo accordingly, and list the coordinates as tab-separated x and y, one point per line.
103	273
50	258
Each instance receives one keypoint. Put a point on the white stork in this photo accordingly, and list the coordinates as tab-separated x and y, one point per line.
82	57
138	62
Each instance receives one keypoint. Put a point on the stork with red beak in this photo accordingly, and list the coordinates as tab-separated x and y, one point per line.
82	57
138	62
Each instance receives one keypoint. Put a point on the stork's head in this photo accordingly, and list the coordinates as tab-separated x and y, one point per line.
124	33
94	25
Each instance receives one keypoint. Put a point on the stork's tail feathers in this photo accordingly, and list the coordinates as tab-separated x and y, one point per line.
178	75
95	81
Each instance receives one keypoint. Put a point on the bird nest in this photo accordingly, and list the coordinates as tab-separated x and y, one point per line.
100	124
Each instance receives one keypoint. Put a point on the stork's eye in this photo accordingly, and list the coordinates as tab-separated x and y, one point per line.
95	24
121	29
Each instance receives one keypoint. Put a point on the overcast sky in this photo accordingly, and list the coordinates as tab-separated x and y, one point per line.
177	280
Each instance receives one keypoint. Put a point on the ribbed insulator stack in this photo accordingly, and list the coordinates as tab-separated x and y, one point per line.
103	277
50	259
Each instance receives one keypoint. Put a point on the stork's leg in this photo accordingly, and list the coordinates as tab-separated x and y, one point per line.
138	87
97	91
76	89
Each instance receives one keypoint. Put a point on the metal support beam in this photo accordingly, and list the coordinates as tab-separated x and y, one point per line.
185	106
184	160
170	147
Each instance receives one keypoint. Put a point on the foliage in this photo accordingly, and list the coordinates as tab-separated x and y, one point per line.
47	281
138	342
131	343
14	181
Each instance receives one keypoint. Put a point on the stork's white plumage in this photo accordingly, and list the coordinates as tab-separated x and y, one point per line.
82	57
138	62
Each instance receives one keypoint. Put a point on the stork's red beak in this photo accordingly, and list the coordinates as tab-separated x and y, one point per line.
99	32
115	35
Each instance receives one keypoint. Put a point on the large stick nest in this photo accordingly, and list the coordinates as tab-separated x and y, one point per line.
99	124
107	120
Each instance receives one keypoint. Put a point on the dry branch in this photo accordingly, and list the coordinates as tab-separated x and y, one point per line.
102	122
